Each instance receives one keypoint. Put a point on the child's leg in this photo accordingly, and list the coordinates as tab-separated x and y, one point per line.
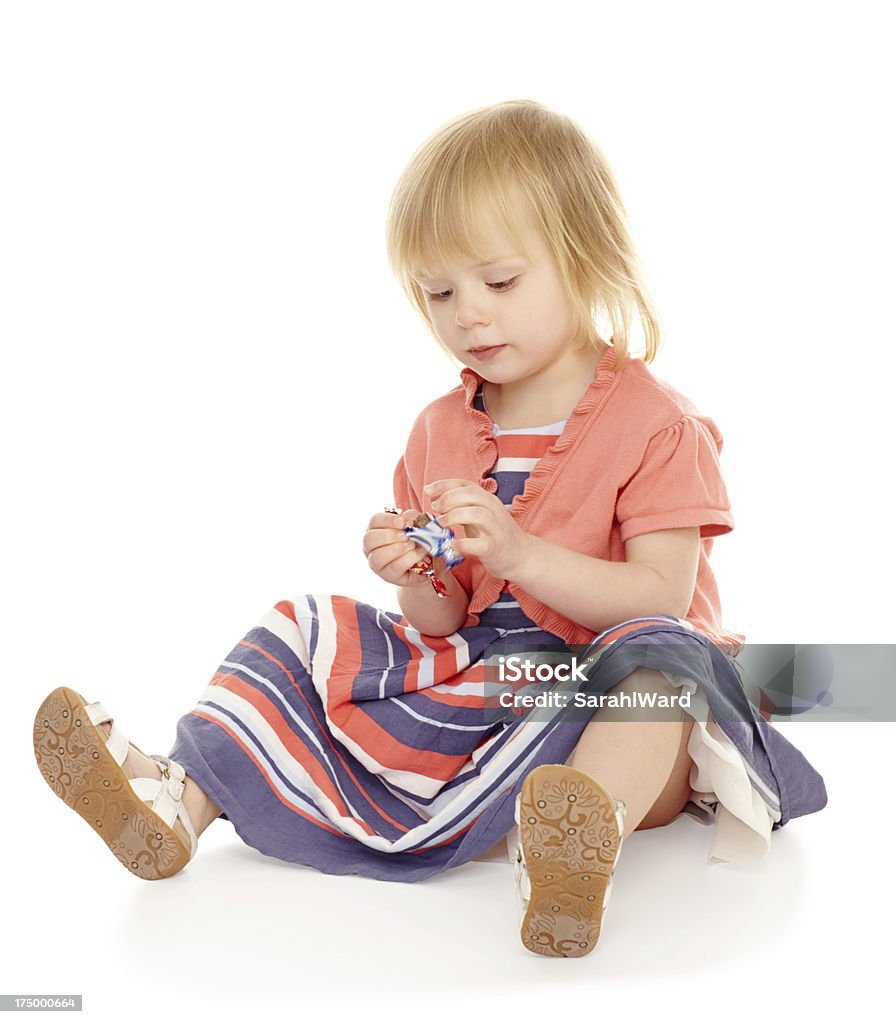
640	755
200	808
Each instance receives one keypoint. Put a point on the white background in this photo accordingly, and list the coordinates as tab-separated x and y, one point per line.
209	374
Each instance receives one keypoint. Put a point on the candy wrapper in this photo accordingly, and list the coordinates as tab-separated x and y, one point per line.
435	539
429	533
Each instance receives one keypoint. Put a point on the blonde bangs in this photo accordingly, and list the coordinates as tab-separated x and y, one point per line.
438	210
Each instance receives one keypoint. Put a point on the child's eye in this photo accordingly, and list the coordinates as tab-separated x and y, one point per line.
500	286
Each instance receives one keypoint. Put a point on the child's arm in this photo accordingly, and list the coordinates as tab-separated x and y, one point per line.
433	615
657	578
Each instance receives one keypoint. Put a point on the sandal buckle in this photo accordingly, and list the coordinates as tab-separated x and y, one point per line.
174	780
174	786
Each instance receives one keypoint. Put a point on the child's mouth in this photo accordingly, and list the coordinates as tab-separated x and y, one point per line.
487	352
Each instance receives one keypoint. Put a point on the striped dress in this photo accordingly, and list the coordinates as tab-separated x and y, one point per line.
335	735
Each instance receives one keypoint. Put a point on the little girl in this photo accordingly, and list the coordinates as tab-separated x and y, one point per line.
584	494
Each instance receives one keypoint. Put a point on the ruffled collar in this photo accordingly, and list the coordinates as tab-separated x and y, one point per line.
485	446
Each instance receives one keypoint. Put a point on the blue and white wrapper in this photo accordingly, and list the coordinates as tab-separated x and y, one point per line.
436	540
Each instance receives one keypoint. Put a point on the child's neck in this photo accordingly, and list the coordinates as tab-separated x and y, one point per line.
546	397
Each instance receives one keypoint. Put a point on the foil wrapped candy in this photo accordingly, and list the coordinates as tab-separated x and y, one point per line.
428	533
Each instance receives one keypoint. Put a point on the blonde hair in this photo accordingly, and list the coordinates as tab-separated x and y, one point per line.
520	147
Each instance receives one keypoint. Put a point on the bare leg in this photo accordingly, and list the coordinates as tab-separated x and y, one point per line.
201	809
640	755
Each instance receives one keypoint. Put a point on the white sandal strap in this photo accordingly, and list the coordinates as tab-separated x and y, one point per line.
608	892
116	741
177	770
621	811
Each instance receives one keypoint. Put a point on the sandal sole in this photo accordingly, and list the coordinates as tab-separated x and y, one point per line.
570	838
76	764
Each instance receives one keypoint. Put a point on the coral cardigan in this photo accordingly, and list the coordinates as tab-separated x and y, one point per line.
635	456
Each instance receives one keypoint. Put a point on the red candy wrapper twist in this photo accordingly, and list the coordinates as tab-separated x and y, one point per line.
424	568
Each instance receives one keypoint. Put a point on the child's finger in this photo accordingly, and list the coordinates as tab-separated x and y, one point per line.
375	540
465	515
394	556
437	487
401	566
475	547
467	495
390	520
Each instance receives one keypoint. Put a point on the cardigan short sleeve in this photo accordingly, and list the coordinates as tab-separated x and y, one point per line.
679	483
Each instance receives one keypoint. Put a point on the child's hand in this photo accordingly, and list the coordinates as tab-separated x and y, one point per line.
390	553
492	534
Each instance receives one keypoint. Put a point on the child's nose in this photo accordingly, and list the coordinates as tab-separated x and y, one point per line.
470	310
470	315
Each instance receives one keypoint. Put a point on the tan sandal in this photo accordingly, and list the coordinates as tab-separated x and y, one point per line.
567	847
142	821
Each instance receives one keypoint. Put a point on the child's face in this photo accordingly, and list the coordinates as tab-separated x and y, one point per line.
516	310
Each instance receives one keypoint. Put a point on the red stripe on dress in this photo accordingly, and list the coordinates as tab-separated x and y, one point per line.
627	628
288	609
524	446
